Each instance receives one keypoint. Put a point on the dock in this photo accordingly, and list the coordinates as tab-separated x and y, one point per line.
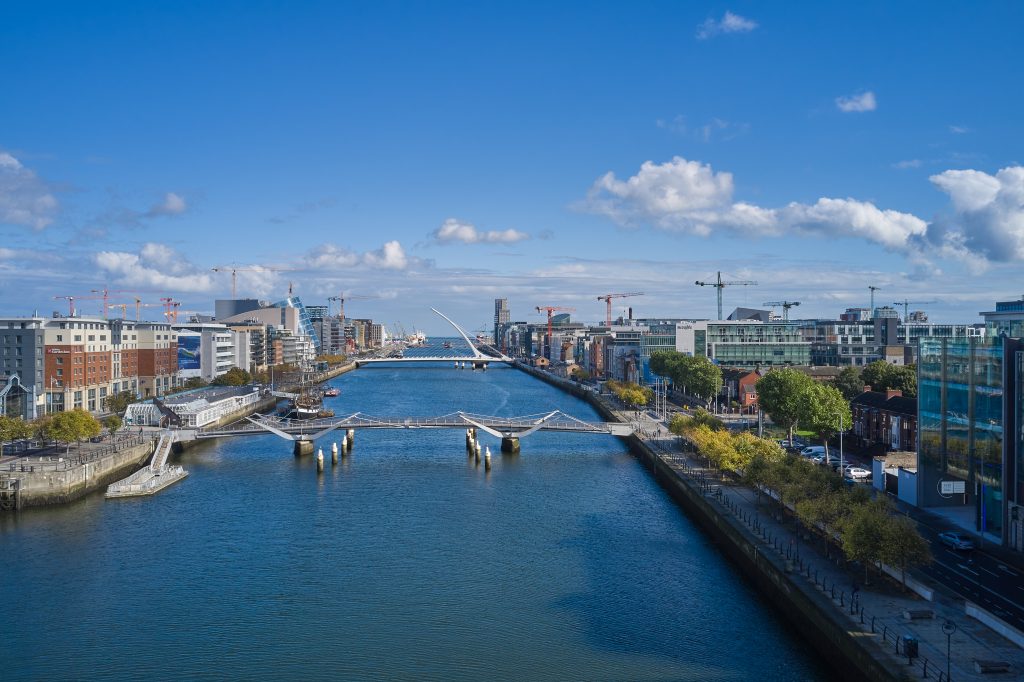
153	478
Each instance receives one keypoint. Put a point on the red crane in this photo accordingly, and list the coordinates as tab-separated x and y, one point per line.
105	295
607	298
552	309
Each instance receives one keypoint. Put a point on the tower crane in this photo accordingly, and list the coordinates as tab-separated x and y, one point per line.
906	305
552	309
341	298
71	302
786	305
719	285
235	270
139	305
873	289
105	295
607	298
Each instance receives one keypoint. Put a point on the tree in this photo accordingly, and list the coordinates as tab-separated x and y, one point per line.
863	534
882	376
849	382
72	426
779	393
235	376
824	410
681	423
903	545
580	374
11	429
702	377
119	402
112	422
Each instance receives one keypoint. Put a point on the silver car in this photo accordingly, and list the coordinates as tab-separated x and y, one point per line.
956	540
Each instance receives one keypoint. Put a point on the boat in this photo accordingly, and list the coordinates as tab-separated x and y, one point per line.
332	392
416	339
447	344
308	405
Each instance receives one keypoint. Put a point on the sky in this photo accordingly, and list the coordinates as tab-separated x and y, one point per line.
443	154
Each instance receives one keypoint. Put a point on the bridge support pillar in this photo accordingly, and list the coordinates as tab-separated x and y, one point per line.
303	447
510	444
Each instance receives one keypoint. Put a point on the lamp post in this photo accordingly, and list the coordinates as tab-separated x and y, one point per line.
840	426
949	627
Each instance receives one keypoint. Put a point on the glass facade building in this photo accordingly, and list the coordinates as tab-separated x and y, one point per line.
969	442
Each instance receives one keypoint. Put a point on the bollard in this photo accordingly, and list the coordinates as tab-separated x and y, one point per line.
487	460
334	453
351	438
320	461
476	452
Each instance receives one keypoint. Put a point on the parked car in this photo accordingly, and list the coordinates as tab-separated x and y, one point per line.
956	540
858	472
813	451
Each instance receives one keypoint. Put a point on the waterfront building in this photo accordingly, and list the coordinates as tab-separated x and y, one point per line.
157	358
860	342
205	350
305	323
970	442
747	344
22	383
502	318
195	409
1007	318
231	307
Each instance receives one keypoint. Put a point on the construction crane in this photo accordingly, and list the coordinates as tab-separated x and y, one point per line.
341	298
139	305
174	311
786	305
607	298
550	309
105	295
906	305
235	270
71	301
873	290
719	285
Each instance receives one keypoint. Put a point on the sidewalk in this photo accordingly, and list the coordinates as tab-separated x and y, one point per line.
878	609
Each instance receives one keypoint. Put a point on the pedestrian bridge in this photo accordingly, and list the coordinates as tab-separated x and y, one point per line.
509	429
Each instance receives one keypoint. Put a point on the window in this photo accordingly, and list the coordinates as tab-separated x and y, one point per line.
60	337
78	337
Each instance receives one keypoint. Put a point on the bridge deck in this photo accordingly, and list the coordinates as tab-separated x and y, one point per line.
509	426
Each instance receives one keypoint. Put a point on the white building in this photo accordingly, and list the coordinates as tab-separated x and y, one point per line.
205	350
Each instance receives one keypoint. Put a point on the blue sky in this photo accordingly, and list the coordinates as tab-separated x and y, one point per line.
443	154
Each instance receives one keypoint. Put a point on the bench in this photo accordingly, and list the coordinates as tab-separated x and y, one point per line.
985	667
918	614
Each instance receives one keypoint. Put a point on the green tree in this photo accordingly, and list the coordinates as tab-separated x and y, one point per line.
112	422
702	378
903	545
849	382
824	410
863	534
118	402
72	426
681	423
235	376
779	394
11	429
881	376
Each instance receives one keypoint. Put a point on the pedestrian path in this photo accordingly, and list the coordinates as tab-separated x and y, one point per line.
878	609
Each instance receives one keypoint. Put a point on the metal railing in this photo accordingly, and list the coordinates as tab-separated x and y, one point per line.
63	462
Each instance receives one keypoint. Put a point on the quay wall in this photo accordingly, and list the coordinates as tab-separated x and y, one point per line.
852	655
51	485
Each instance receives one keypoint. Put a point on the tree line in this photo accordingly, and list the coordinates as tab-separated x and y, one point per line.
71	426
880	376
792	398
629	392
868	529
694	375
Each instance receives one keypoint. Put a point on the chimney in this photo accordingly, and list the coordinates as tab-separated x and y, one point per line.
867	388
893	393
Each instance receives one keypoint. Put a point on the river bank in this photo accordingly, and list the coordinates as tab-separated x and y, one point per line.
817	603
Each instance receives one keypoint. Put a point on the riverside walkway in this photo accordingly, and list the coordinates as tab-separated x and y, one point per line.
878	610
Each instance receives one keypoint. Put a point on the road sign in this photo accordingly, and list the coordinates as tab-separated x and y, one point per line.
953	487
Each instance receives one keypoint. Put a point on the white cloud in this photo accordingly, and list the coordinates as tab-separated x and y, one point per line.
729	23
173	204
24	198
453	230
715	129
988	214
686	196
865	101
909	163
390	256
959	130
156	266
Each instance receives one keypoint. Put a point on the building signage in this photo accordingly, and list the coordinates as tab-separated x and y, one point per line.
953	487
188	352
57	350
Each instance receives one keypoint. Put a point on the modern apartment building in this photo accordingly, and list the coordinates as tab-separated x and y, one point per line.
157	358
502	318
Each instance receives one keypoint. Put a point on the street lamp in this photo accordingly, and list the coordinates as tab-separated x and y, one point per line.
840	419
949	627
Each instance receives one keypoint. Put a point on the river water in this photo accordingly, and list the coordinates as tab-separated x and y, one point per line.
406	561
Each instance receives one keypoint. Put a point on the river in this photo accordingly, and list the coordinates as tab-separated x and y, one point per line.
406	561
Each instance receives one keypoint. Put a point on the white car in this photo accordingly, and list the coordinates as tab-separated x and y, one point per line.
858	472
